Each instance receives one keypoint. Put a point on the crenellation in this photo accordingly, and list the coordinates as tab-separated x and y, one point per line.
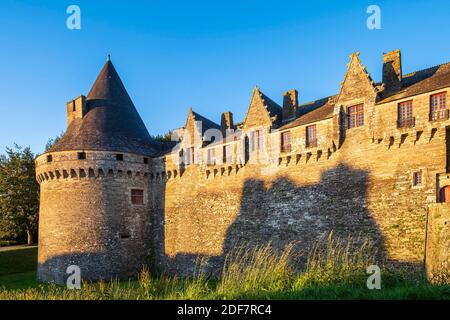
348	164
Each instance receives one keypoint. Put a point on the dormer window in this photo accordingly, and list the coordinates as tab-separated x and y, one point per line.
311	136
438	107
356	116
81	155
286	141
405	114
145	160
49	158
256	140
119	157
211	157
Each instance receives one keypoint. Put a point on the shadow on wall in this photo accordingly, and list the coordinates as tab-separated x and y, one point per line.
284	213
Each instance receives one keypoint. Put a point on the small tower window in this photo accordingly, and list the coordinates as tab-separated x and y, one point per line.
124	235
119	157
145	160
49	158
137	197
81	155
417	178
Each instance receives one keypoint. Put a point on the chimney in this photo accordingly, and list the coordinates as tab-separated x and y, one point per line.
76	109
290	105
392	71
226	122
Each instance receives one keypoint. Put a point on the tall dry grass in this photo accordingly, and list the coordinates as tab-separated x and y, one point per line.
260	268
333	260
261	271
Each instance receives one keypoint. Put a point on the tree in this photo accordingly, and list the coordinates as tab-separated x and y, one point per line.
52	142
19	193
167	137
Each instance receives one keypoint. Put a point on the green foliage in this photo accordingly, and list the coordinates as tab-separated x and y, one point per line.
52	142
19	194
167	137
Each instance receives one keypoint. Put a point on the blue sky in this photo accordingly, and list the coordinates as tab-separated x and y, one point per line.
206	54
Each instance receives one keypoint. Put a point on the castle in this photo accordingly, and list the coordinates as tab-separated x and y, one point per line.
373	160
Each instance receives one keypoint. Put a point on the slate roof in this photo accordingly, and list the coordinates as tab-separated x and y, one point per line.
111	123
320	112
422	81
206	123
273	108
418	82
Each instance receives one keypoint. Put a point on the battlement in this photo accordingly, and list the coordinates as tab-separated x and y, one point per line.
92	164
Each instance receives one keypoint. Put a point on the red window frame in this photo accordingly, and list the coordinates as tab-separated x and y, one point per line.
438	106
286	141
405	114
137	197
356	116
311	136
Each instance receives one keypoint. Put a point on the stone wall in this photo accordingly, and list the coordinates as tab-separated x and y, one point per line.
87	218
363	188
438	240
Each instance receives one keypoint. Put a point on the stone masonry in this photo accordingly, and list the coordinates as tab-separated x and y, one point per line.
370	161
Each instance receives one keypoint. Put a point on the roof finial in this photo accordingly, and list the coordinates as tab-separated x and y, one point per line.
108	58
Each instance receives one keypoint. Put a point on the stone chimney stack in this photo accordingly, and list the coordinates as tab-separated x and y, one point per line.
76	109
392	71
290	104
226	122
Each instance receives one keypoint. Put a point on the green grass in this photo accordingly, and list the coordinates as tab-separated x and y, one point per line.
18	268
336	269
18	260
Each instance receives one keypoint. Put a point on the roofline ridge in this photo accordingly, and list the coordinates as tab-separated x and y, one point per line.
421	70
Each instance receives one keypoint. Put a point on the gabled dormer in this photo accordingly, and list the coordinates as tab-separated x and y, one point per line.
262	112
195	128
355	102
357	84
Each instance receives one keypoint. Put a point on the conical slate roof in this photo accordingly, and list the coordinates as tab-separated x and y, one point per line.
111	123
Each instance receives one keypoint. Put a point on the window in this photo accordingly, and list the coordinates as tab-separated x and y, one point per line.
227	154
356	116
286	141
311	137
256	141
137	196
145	160
417	178
438	107
211	157
81	155
124	235
49	158
188	155
405	114
119	157
191	155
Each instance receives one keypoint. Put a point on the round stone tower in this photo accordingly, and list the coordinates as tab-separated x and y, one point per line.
95	209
